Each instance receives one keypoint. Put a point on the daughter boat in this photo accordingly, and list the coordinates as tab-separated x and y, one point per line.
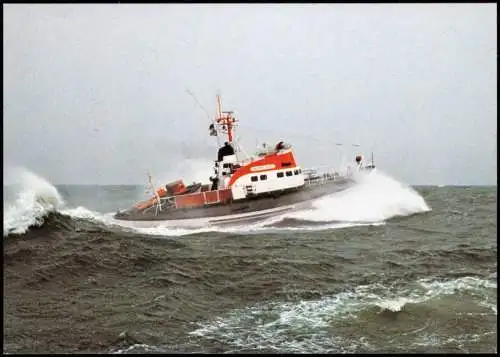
242	188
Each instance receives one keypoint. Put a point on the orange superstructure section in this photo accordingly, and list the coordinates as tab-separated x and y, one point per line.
225	195
190	200
199	199
212	196
267	163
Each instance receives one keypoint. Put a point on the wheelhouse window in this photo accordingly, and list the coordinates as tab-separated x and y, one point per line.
263	177
280	174
296	172
254	178
289	173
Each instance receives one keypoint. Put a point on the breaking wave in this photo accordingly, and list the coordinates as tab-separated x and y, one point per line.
35	199
376	198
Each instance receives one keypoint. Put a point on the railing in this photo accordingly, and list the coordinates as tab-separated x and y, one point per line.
328	174
163	203
321	179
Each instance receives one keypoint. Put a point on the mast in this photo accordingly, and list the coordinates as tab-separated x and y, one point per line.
225	120
217	107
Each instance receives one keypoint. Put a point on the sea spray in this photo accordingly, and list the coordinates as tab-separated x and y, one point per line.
376	197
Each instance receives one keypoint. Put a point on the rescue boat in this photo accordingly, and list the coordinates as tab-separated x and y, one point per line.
242	188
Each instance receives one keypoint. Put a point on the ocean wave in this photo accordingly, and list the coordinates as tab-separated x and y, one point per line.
324	325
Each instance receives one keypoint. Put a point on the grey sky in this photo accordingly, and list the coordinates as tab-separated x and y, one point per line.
97	93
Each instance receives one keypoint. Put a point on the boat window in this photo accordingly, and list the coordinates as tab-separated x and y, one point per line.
296	172
254	178
280	174
263	177
289	173
286	164
300	171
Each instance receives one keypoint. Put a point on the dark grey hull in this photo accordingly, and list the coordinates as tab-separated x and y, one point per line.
262	206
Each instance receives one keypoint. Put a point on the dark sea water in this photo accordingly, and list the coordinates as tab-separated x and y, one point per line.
381	267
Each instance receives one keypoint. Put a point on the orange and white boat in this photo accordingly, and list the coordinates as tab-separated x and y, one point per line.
242	188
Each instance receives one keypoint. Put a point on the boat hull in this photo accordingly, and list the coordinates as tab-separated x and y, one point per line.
241	210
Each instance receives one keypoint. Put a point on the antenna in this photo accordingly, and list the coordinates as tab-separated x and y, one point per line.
199	104
206	112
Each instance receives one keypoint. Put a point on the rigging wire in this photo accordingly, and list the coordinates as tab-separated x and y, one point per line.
212	121
306	136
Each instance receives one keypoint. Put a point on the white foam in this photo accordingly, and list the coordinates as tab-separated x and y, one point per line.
85	213
35	197
140	346
108	219
395	305
451	286
435	339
